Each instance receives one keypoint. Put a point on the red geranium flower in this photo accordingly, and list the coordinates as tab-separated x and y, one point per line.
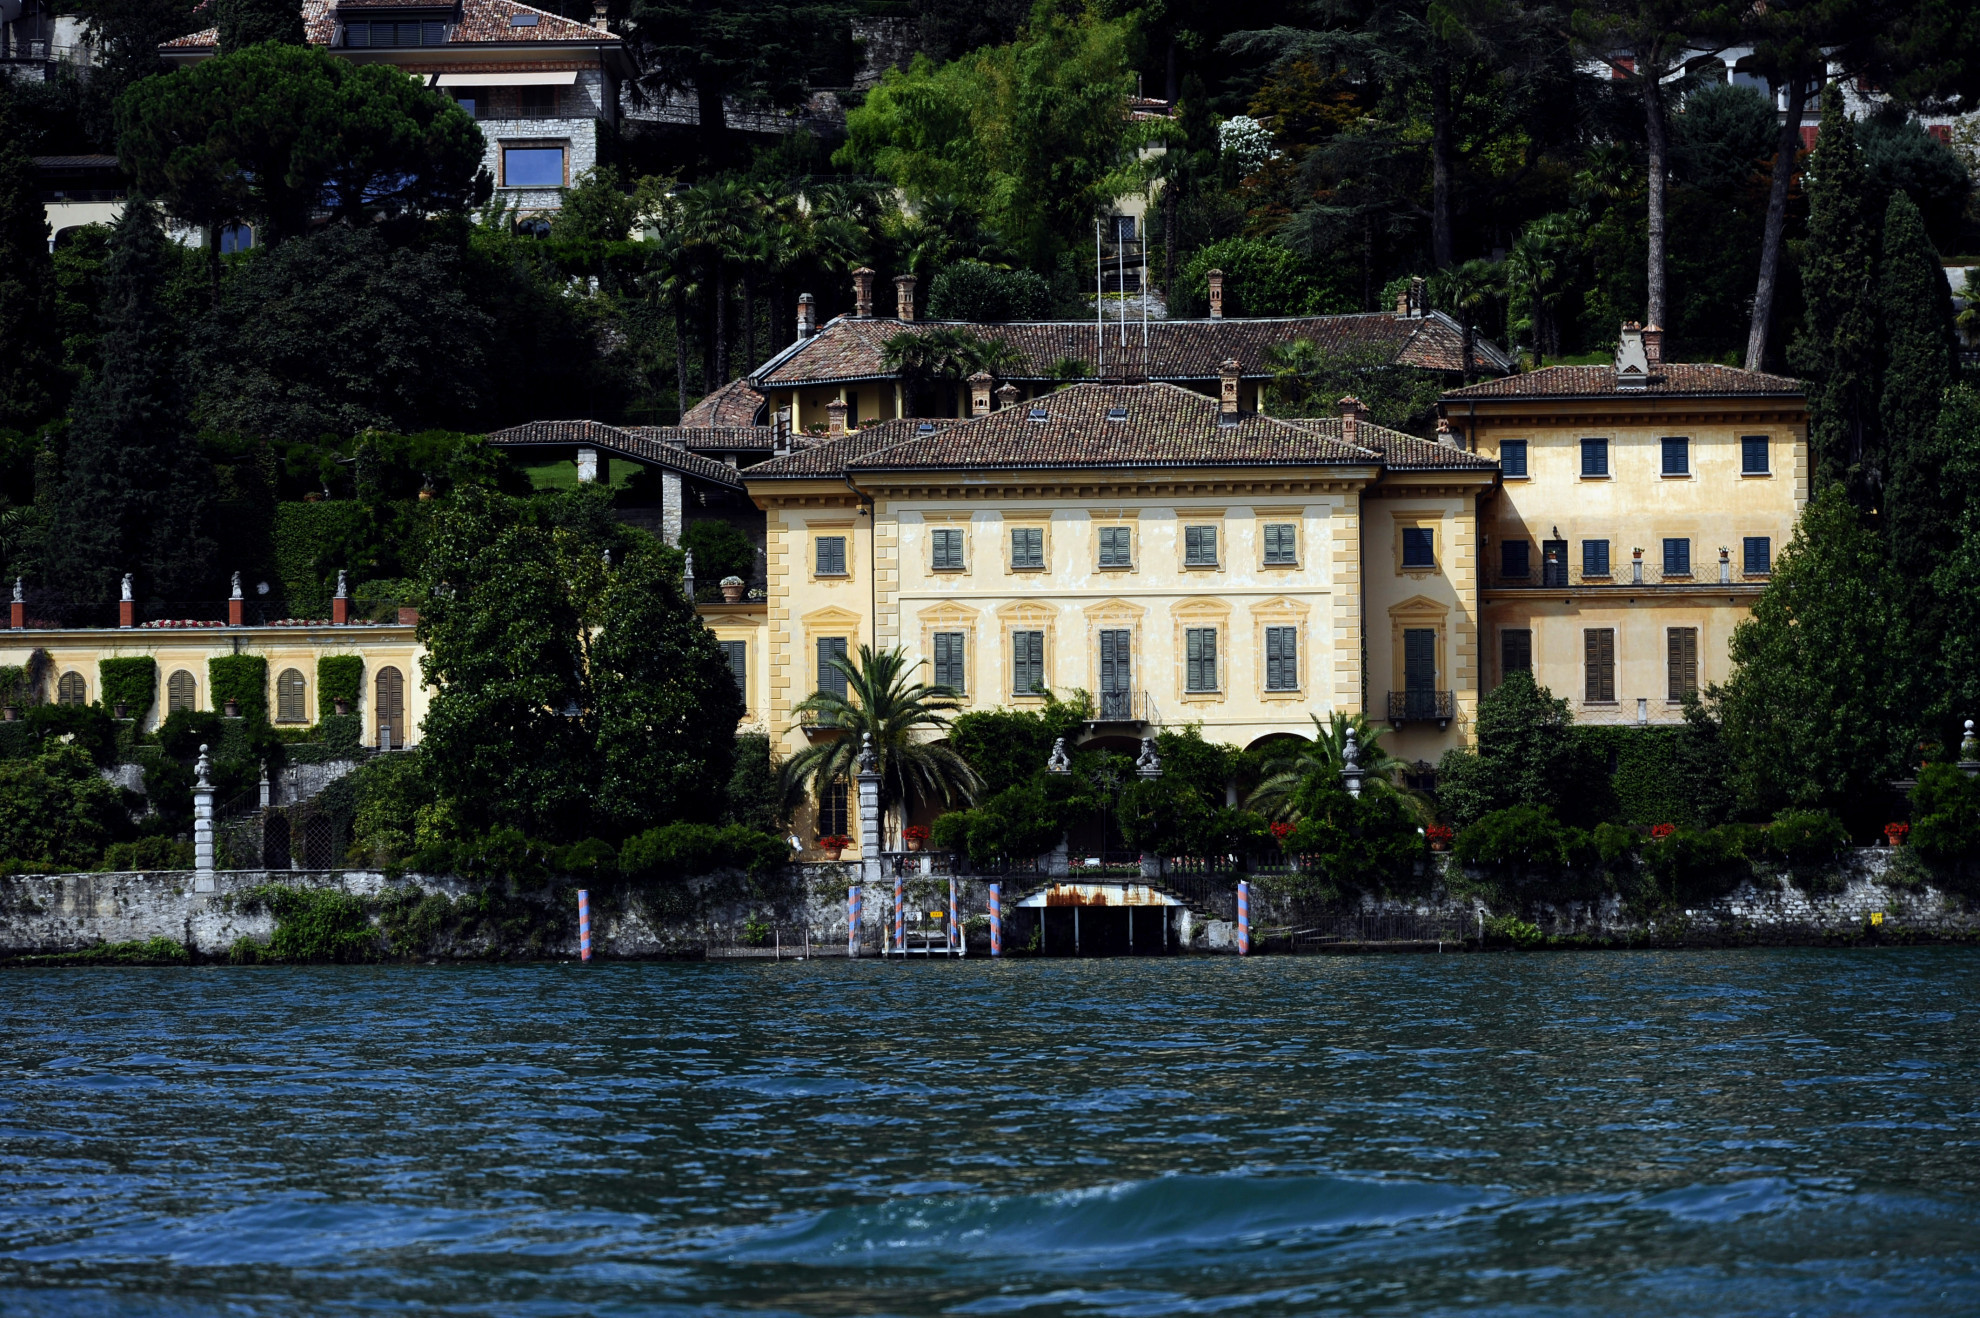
1663	831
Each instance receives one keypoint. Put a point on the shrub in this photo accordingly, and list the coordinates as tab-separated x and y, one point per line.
1019	823
1807	837
132	682
391	792
312	541
56	811
682	851
1945	816
1371	842
1521	838
1261	278
755	798
971	290
1694	864
148	853
338	677
89	728
1615	845
316	924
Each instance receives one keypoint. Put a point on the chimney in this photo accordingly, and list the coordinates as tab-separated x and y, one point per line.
600	16
780	433
1632	360
835	417
904	297
979	393
1653	345
1006	395
1350	419
1402	302
1216	278
340	603
1227	405
1417	304
863	293
807	317
236	605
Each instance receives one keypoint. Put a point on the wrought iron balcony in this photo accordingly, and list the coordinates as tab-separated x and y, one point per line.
1121	707
1421	707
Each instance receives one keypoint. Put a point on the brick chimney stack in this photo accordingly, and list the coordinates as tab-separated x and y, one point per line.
904	297
1227	405
1006	395
835	417
979	393
1216	278
1653	345
600	16
807	317
863	293
1350	419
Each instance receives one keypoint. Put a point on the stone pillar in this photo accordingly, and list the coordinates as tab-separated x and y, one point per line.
670	508
869	811
1725	566
1216	278
1058	861
593	467
203	823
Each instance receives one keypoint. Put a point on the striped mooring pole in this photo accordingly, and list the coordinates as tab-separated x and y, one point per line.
900	916
1244	919
853	895
996	919
584	924
956	943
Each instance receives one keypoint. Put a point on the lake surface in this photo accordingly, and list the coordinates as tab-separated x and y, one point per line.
1749	1132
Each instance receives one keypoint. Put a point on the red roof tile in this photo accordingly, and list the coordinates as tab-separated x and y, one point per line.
481	21
1696	378
850	348
734	404
618	442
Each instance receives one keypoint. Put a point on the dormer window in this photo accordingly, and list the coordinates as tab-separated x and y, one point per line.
925	428
1117	414
379	35
1039	414
522	20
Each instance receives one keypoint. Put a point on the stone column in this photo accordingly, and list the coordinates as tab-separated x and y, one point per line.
869	811
203	824
592	467
670	508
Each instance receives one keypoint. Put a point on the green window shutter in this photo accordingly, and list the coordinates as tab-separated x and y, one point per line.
737	653
1682	653
1281	659
1599	661
831	680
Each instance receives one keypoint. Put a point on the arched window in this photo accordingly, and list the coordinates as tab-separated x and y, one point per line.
389	708
179	692
235	238
290	690
72	690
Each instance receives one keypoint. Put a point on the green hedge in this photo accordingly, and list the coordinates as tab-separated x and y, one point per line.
338	677
242	677
313	540
132	682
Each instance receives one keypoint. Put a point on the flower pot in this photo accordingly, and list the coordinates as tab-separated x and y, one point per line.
10	713
831	853
341	705
733	594
1440	846
233	709
121	710
913	844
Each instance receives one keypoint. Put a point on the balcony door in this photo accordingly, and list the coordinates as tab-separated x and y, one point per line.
1553	563
1116	676
1420	672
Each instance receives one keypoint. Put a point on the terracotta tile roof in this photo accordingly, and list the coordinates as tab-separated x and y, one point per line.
74	162
480	21
848	348
1400	452
722	439
1600	382
734	404
618	443
828	457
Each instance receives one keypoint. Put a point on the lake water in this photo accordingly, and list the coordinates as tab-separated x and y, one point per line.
1748	1132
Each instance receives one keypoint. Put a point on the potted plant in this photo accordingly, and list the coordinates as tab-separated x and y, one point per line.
121	710
341	705
916	835
1441	836
732	589
833	844
1661	831
233	708
10	713
1896	833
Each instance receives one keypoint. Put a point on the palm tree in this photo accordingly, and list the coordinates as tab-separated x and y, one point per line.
947	353
1466	290
1325	754
883	700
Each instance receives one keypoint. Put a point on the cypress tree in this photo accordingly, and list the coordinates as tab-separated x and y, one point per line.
132	489
29	368
1920	362
245	23
1835	348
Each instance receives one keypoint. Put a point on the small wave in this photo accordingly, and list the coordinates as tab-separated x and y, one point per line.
1106	1225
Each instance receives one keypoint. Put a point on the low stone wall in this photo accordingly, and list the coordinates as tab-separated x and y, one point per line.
210	913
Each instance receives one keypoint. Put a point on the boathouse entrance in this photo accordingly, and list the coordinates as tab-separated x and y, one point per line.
1100	919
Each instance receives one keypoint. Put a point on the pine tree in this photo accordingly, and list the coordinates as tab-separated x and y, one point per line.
245	23
1835	349
1920	362
29	369
133	487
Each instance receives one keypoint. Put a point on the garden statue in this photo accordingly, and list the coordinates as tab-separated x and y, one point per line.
1060	762
127	597
237	587
1149	765
1351	770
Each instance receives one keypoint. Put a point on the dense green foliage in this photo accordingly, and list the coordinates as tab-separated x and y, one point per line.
241	678
131	681
972	290
338	677
56	813
28	354
245	23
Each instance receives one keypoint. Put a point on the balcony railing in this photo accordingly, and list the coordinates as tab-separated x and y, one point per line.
1420	707
1121	707
1629	572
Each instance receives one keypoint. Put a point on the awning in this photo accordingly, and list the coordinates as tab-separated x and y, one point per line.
556	78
